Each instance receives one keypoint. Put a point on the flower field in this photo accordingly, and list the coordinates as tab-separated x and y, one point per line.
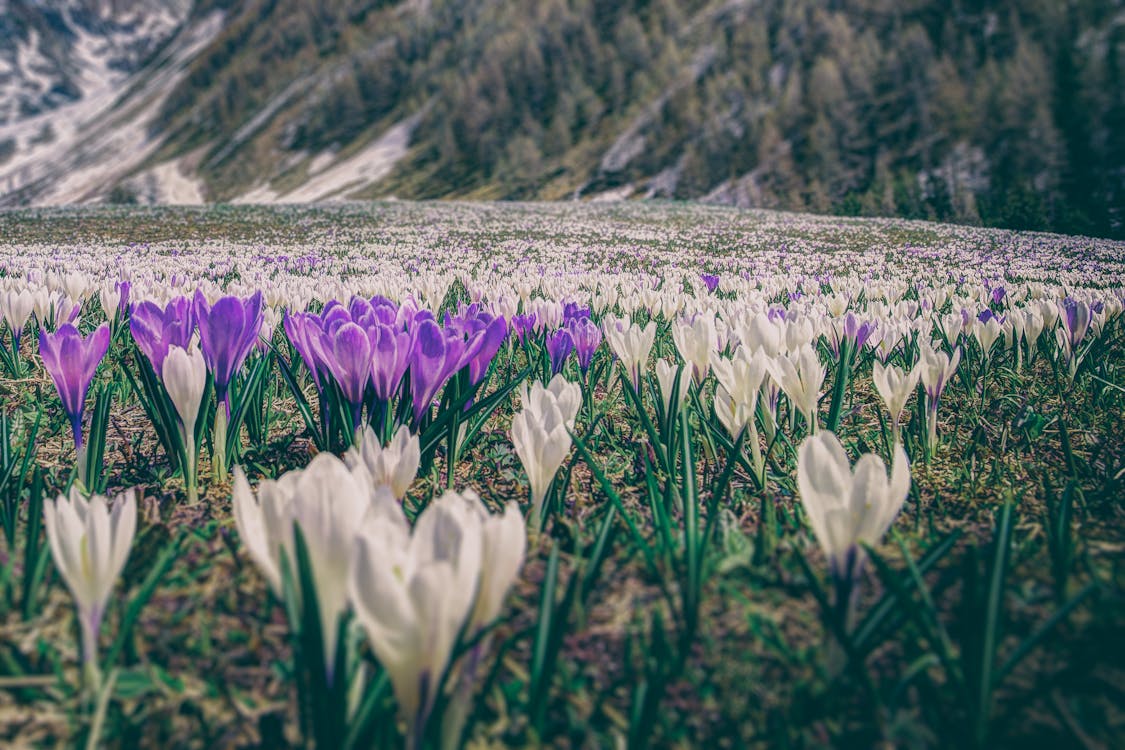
566	475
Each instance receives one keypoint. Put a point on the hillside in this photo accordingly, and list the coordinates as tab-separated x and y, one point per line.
992	112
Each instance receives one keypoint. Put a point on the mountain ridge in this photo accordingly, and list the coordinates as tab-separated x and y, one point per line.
980	111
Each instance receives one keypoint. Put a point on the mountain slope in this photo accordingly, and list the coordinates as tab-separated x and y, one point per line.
1001	112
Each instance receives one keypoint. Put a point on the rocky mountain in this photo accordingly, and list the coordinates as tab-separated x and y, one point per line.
1001	112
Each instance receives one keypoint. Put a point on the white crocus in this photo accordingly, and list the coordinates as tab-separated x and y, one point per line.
413	593
935	370
503	546
184	374
631	344
800	375
90	541
565	394
328	503
986	333
696	342
16	308
741	380
540	434
760	332
894	387
847	508
393	466
666	374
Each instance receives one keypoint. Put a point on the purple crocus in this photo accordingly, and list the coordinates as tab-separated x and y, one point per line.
301	328
522	325
123	288
587	336
433	360
391	349
491	338
155	329
71	362
348	357
574	311
1075	317
857	331
710	280
559	346
228	331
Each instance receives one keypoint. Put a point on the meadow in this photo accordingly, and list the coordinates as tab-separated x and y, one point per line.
440	475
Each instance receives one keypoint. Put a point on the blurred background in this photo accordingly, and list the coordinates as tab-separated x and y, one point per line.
1004	113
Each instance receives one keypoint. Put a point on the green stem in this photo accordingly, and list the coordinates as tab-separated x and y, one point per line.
219	452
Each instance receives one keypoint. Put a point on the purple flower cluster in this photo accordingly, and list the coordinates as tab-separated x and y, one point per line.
369	347
228	331
578	334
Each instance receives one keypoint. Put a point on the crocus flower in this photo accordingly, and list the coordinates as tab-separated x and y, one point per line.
846	508
390	358
300	328
631	344
587	337
800	374
666	374
71	362
711	281
504	544
155	329
986	330
540	434
435	358
495	330
90	541
185	378
114	298
347	352
566	395
413	593
327	502
935	368
763	332
228	331
1074	317
16	309
522	325
740	384
696	342
393	466
559	346
894	387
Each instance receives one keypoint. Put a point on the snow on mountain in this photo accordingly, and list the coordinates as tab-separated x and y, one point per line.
79	83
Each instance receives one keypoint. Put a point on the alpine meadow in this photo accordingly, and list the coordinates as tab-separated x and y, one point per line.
566	374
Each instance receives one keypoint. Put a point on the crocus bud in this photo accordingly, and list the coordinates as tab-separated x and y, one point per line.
90	541
894	387
185	378
631	344
503	546
542	440
666	373
696	342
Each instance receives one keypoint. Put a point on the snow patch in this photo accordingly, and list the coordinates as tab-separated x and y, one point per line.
168	184
334	183
613	196
103	136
